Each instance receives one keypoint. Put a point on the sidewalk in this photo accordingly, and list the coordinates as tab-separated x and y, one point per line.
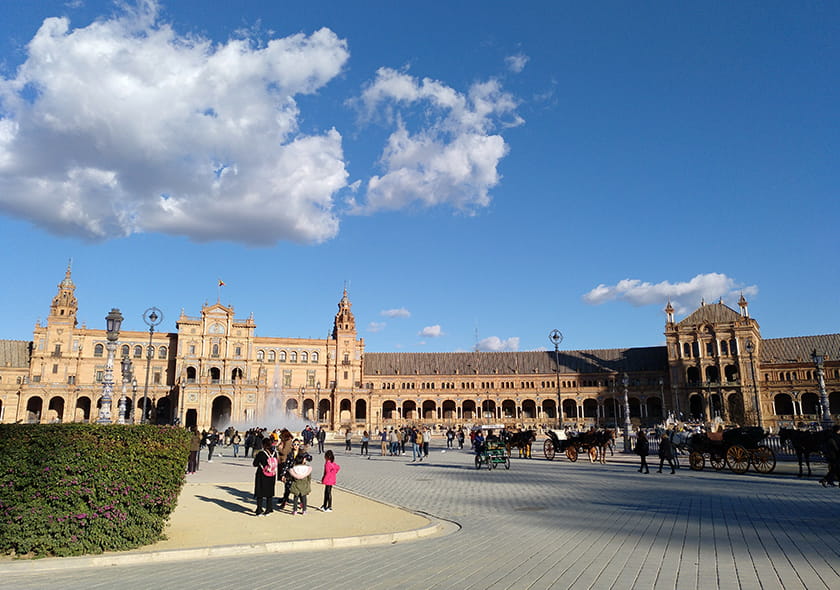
215	517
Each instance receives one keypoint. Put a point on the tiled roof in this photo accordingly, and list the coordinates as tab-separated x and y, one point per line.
798	349
712	313
14	353
515	363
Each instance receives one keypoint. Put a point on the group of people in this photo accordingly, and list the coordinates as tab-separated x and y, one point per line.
286	459
666	452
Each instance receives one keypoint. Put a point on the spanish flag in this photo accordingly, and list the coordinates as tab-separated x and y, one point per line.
221	283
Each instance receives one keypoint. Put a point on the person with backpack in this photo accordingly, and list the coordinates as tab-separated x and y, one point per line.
266	476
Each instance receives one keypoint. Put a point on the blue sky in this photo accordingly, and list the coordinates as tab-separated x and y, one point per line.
476	173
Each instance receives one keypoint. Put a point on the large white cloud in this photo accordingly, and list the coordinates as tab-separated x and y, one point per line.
496	344
684	296
124	126
454	155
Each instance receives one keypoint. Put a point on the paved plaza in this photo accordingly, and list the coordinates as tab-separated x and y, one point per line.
540	525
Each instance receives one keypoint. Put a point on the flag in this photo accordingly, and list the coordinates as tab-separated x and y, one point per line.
221	283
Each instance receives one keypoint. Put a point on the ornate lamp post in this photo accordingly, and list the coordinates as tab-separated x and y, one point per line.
756	401
126	377
113	321
318	403
556	337
152	316
819	360
625	381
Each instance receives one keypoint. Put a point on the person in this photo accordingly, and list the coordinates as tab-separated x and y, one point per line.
383	440
427	438
287	452
212	441
322	437
331	469
478	441
301	476
195	446
236	440
249	441
450	438
461	438
642	450
266	476
394	448
348	439
363	450
831	452
666	453
417	445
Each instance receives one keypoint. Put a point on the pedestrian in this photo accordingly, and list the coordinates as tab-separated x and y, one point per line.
666	452
249	441
394	444
195	446
416	445
642	450
348	439
322	437
450	438
287	451
363	450
212	441
266	476
301	476
236	440
427	439
461	438
831	452
383	439
331	469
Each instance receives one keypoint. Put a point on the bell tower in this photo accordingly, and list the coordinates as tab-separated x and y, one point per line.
64	306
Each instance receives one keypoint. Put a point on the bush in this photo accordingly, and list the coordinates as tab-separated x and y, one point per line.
75	489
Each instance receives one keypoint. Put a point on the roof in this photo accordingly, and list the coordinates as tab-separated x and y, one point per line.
516	363
15	353
798	349
712	313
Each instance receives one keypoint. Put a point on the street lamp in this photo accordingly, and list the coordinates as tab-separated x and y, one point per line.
819	360
126	376
113	321
625	381
318	403
556	337
662	398
152	316
756	401
133	399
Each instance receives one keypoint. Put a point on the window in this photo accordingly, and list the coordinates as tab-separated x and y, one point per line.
138	352
162	352
710	349
125	350
282	356
237	351
686	350
287	378
192	348
215	353
260	355
293	357
314	357
97	350
157	378
271	356
71	380
57	350
304	357
724	347
99	376
55	369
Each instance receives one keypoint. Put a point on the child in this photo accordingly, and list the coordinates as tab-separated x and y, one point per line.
302	482
331	469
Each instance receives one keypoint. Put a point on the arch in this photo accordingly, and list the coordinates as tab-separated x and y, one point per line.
488	409
309	409
271	356
125	350
611	410
654	407
692	375
315	357
590	408
735	408
34	406
191	374
731	373
389	410
215	374
163	411
724	347
468	410
712	374
716	406
344	411
291	407
697	406
138	352
509	409
55	409
834	402
236	374
449	410
569	409
409	410
293	356
304	357
635	407
549	409
810	403
220	412
324	409
98	350
429	410
783	405
162	352
191	418
529	410
260	356
361	410
82	411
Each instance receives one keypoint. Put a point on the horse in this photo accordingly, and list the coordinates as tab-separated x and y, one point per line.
522	440
681	443
604	439
804	444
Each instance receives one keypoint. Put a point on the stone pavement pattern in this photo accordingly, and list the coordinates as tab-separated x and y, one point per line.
540	525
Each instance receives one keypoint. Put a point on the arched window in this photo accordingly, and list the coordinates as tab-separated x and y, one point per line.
293	357
162	352
125	350
314	357
282	356
260	355
215	350
304	357
98	349
271	356
138	352
687	350
724	347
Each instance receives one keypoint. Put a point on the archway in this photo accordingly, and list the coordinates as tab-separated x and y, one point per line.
611	412
449	410
693	375
191	419
834	402
389	410
82	412
549	409
654	407
712	374
488	410
429	410
735	406
731	372
291	408
34	406
696	407
309	409
56	409
783	405
509	409
163	411
190	374
323	410
635	407
344	416
220	412
361	410
529	410
215	375
236	375
469	410
810	404
569	409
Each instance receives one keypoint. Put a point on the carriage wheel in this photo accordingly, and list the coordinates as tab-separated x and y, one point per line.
572	453
738	459
593	454
507	462
763	459
478	461
717	461
548	449
696	461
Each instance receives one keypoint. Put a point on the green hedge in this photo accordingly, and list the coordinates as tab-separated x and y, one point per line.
75	489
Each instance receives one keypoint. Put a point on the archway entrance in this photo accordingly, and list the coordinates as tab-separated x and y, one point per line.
220	412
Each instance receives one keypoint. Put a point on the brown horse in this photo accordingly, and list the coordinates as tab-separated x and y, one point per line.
804	444
522	440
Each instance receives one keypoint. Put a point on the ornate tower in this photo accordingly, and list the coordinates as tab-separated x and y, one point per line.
64	305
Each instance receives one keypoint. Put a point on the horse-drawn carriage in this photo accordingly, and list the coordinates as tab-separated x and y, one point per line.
593	443
738	448
491	454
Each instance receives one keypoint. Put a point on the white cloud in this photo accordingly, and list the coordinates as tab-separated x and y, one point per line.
124	126
684	296
431	332
376	326
454	156
496	344
395	313
516	63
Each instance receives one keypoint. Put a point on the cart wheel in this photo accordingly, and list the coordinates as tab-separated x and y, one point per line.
763	459
571	453
507	462
738	459
717	461
593	454
548	449
696	461
478	461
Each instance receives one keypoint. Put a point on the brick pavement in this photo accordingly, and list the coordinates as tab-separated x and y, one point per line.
545	525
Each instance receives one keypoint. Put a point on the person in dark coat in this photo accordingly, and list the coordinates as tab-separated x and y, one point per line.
266	476
831	452
666	452
643	450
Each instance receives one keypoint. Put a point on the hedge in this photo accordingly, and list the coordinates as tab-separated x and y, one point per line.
76	489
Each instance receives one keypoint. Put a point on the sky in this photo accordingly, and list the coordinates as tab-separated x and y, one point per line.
475	174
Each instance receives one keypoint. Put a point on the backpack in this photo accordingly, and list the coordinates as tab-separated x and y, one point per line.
270	468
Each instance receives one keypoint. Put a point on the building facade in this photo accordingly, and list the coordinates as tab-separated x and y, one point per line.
214	371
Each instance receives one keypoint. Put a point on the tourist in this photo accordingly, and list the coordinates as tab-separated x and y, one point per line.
416	445
363	449
236	440
427	439
292	459
642	450
322	437
265	477
666	453
348	439
831	452
450	438
195	447
285	459
393	442
212	441
461	438
383	438
331	469
249	441
301	476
